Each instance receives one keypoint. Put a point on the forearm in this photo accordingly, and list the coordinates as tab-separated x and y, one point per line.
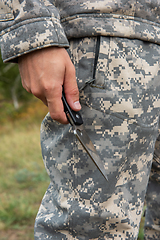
27	26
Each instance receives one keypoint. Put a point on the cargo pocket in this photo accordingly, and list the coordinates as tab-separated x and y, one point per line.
6	10
82	54
89	58
101	62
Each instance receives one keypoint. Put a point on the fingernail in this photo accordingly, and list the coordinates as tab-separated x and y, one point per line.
77	105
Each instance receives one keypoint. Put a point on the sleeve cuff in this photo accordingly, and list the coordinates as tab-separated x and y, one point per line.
30	36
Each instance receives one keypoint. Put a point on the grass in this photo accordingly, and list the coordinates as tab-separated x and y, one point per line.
23	179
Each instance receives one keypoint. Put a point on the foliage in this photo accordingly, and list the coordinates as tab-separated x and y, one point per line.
11	89
23	179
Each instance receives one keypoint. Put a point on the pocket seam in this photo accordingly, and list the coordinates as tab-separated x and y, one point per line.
96	56
99	85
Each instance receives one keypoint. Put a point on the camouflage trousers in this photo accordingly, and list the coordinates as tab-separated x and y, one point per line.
152	213
119	87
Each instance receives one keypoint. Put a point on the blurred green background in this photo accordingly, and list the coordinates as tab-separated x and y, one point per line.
23	179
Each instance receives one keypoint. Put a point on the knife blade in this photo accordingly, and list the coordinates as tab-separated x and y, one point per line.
75	119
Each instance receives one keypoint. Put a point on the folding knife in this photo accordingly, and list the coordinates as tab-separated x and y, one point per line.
76	121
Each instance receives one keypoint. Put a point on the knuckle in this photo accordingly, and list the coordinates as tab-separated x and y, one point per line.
74	92
35	92
58	117
47	87
24	85
55	116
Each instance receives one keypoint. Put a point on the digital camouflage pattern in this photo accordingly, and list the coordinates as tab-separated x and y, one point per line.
152	215
29	25
119	90
32	24
120	97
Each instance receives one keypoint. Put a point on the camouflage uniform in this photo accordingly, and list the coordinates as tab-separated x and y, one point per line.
121	117
32	24
152	213
119	87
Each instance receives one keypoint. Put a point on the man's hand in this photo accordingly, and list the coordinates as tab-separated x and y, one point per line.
44	72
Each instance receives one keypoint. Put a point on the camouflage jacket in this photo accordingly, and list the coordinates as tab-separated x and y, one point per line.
31	24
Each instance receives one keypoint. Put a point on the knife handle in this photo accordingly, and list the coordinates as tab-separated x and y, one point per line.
72	116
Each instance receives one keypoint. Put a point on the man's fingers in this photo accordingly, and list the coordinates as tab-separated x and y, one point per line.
56	114
55	105
44	72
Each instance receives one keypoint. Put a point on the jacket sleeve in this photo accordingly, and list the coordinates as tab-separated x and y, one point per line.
29	25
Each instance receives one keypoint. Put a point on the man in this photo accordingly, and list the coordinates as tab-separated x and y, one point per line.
114	48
